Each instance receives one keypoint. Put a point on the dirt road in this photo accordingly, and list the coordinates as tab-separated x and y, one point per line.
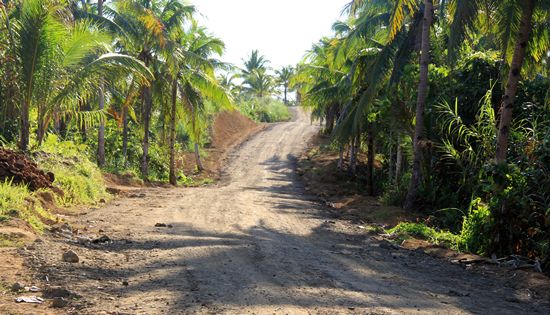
257	243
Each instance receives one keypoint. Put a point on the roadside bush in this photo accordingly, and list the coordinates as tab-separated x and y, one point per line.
265	109
406	230
475	228
394	195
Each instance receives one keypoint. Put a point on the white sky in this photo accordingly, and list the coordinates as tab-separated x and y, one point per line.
282	30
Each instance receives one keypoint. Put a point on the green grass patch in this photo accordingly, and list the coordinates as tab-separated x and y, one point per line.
405	230
7	241
265	109
79	178
12	198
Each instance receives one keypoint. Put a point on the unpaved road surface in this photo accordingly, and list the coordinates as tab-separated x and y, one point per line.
257	243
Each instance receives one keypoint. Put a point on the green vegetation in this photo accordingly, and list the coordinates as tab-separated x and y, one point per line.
406	230
265	109
121	86
79	178
18	201
453	100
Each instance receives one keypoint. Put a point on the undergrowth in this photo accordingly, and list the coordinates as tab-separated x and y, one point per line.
79	178
265	109
405	230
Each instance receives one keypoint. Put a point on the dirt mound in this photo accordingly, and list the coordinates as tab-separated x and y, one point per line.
21	170
229	127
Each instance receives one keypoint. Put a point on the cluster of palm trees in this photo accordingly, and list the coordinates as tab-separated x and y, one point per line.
257	80
79	63
348	77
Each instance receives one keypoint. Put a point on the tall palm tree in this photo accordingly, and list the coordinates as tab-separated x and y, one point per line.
412	194
192	74
60	65
146	25
258	83
101	103
283	78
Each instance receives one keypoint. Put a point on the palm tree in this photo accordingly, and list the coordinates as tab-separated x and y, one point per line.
412	194
192	73
258	83
283	77
254	62
146	25
524	20
101	102
59	64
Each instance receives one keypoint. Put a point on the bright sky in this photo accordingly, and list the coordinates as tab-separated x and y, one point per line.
282	30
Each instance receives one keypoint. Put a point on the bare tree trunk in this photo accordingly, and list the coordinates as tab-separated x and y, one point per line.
331	116
125	136
25	127
101	100
101	130
146	113
83	132
398	161
341	158
412	194
352	156
370	161
390	161
173	178
200	167
509	97
41	128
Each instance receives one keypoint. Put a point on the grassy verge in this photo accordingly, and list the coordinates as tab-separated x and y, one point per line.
265	109
76	176
406	230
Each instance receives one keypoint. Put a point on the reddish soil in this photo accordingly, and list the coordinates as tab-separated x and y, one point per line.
230	129
19	169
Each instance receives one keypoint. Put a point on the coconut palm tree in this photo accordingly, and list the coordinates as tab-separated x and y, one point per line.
146	25
61	60
192	74
283	78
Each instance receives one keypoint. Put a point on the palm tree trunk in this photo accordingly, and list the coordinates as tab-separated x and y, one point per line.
125	136
398	161
197	153
351	168
200	167
172	177
25	126
286	91
502	242
331	117
370	161
101	130
340	164
412	194
83	131
509	97
101	96
42	126
146	113
391	159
